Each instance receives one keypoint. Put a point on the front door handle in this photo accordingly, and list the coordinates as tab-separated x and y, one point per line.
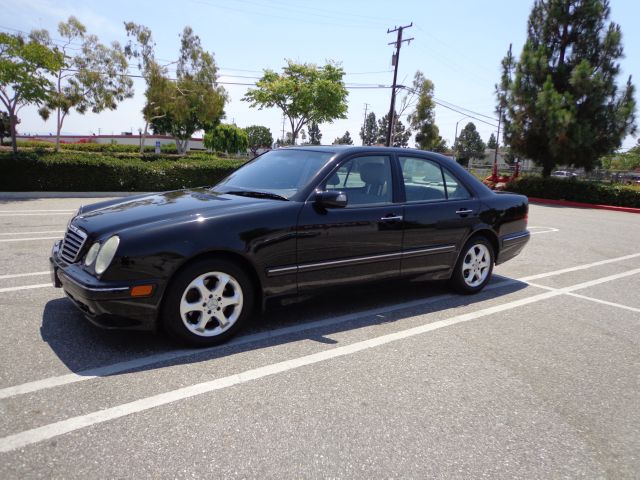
464	211
392	218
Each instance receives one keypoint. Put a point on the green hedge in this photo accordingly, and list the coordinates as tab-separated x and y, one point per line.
94	147
576	191
77	172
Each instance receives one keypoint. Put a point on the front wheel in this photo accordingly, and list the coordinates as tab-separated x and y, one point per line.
208	302
474	267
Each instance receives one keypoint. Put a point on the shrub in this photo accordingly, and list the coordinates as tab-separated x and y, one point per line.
576	191
95	147
74	171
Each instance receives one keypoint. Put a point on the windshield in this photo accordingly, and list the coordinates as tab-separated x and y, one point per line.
282	172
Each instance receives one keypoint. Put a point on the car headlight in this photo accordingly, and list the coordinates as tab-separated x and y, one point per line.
92	254
106	254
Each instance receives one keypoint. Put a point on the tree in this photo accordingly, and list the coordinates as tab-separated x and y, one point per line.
492	143
304	92
314	133
193	101
369	131
560	100
440	146
5	126
344	140
400	136
94	79
25	66
258	137
423	119
469	144
226	138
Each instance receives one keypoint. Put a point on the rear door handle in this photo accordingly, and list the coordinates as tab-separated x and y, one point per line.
464	211
392	218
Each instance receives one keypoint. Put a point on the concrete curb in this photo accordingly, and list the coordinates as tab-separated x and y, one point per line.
27	195
567	203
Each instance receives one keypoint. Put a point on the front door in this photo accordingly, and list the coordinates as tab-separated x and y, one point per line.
360	242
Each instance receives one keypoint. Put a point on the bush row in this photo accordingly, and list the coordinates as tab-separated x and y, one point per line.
76	172
94	147
576	191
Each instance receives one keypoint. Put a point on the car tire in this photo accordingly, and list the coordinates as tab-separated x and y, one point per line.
474	266
207	302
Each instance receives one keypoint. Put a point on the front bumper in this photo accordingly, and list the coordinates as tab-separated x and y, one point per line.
105	304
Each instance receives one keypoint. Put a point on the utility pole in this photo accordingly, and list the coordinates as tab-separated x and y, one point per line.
364	124
494	171
396	61
283	141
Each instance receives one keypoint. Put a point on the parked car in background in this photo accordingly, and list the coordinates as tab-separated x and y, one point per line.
563	174
196	262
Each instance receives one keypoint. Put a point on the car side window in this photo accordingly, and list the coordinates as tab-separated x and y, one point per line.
455	189
365	180
423	180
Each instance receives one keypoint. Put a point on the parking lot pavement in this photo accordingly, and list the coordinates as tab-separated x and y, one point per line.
537	376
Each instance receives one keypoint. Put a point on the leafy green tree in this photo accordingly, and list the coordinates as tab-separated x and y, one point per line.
400	136
304	92
423	119
469	144
344	140
258	137
25	66
193	101
314	133
492	143
226	138
560	100
369	131
141	47
5	126
95	78
440	145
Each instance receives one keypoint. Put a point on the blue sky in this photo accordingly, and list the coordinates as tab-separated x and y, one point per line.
458	45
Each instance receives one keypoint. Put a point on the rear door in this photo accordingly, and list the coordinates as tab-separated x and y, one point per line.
439	214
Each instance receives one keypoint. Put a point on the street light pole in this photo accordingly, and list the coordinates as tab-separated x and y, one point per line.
455	138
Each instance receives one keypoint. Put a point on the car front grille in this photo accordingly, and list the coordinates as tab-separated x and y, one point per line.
72	245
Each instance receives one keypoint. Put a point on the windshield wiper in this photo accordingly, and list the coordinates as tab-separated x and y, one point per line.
250	193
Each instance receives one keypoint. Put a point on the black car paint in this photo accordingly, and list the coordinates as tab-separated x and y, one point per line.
289	247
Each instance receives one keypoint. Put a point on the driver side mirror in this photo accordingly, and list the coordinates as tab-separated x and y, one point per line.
331	199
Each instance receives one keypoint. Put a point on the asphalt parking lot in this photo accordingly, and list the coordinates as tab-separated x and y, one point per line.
536	377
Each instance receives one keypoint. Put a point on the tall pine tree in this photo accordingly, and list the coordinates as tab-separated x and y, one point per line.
560	100
369	131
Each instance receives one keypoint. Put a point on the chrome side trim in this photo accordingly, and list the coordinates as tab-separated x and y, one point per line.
516	237
93	289
272	272
428	251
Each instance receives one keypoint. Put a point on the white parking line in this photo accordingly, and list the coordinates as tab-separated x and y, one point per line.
35	435
25	287
16	275
537	230
32	214
120	367
66	210
580	267
28	239
605	302
32	233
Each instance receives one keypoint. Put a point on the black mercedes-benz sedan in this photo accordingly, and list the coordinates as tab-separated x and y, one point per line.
197	262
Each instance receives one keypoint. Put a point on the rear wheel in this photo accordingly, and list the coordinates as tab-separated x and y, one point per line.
474	267
208	302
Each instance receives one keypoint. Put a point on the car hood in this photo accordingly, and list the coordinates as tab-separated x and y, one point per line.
176	206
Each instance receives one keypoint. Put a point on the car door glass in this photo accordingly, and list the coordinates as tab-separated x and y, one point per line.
455	189
422	179
365	180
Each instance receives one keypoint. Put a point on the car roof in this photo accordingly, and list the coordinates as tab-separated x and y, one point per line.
355	149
